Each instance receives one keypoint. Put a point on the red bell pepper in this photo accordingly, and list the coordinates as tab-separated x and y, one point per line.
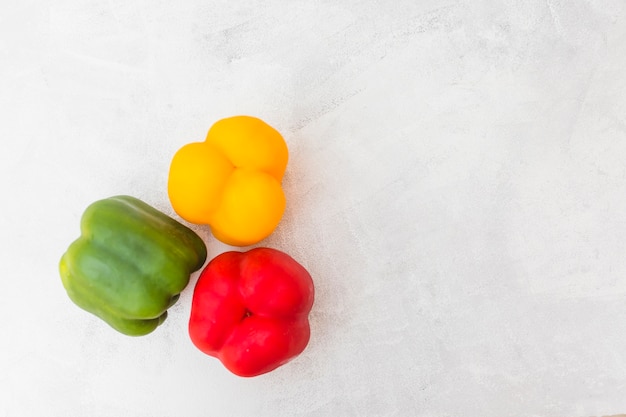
250	310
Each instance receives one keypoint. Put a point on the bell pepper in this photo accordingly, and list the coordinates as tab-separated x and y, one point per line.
130	263
232	180
250	310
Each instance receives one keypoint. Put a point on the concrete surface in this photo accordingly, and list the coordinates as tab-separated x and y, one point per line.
456	187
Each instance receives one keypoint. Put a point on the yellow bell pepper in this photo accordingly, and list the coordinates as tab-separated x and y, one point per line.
232	180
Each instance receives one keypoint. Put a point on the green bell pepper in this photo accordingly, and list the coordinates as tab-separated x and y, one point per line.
130	263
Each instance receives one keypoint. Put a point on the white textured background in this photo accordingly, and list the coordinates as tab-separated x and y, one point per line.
457	188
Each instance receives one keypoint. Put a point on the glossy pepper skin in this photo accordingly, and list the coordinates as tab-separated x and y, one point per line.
130	263
232	180
250	310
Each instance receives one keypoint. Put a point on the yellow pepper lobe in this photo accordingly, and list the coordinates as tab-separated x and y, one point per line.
231	181
250	143
252	205
197	177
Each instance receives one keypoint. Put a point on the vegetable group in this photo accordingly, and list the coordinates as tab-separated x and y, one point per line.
231	181
130	263
251	309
